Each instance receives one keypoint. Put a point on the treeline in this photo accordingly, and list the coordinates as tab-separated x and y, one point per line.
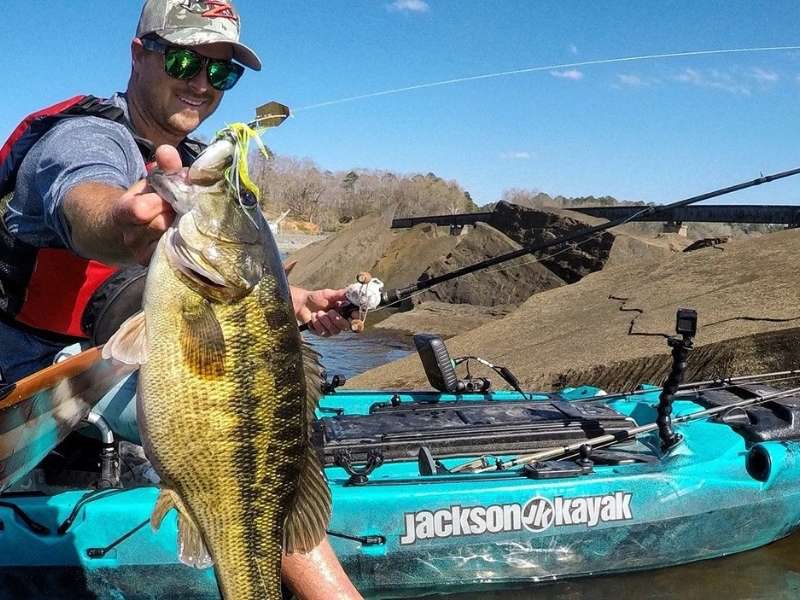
537	199
329	199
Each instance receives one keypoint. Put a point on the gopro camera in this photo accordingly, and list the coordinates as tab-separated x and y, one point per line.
686	322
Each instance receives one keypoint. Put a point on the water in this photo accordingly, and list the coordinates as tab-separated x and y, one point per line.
349	354
769	573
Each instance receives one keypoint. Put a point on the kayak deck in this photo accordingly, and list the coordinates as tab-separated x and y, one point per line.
401	532
637	510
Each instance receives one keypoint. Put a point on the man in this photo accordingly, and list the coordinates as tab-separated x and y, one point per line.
81	207
81	186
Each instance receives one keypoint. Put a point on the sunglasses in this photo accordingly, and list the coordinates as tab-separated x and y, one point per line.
184	63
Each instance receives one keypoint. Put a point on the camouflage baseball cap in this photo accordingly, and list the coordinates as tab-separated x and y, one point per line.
194	22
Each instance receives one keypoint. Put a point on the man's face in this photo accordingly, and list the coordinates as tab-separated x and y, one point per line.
178	106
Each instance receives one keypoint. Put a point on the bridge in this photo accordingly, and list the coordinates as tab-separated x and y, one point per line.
777	214
455	220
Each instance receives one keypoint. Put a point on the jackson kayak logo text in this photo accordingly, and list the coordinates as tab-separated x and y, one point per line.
536	515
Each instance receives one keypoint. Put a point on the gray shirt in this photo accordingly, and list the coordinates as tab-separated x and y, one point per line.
76	150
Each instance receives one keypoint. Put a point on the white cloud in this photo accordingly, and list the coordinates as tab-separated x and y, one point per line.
572	74
515	155
764	76
631	80
715	79
573	49
418	6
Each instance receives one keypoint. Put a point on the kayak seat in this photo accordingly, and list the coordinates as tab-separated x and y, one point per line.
776	420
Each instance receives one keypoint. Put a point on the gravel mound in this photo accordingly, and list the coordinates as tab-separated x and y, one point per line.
610	328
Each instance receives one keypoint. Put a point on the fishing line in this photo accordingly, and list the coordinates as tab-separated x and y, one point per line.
585	63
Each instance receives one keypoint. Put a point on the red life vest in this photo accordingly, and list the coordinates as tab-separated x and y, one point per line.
48	290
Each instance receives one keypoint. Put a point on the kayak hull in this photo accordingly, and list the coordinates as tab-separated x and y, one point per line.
401	534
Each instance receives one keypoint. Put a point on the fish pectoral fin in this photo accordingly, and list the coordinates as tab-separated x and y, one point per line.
311	510
192	549
201	338
128	345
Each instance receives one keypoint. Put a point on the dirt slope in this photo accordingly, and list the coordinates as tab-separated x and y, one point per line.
402	257
610	327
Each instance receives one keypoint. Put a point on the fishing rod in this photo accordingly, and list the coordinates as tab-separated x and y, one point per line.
612	438
396	295
401	293
721	383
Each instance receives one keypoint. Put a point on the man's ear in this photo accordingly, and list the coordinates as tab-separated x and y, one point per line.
137	52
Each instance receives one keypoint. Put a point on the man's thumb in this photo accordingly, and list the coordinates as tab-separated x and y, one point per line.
168	159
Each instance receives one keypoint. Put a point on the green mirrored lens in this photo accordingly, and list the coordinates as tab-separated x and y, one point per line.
223	75
185	63
182	63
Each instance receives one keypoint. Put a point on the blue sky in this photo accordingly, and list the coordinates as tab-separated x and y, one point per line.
653	130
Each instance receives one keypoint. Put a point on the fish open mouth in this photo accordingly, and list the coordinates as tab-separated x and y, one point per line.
175	188
188	263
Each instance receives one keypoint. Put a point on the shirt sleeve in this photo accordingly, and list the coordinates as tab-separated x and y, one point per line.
76	151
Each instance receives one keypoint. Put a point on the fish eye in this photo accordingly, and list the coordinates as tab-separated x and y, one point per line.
248	198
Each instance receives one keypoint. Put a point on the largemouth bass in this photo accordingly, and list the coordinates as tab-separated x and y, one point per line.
227	391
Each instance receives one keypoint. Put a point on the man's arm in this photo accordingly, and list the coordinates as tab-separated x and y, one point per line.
317	575
119	226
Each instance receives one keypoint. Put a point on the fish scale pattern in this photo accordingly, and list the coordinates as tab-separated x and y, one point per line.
232	445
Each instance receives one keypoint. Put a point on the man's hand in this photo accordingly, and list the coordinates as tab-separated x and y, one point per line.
141	215
317	308
118	226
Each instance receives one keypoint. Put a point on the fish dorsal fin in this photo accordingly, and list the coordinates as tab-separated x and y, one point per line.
311	510
128	345
201	338
192	550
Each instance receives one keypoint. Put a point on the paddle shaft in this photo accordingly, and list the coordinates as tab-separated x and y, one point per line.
722	383
50	376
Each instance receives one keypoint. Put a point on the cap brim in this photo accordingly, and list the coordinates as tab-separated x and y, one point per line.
247	57
196	37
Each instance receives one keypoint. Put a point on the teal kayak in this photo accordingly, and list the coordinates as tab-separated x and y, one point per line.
459	488
406	521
